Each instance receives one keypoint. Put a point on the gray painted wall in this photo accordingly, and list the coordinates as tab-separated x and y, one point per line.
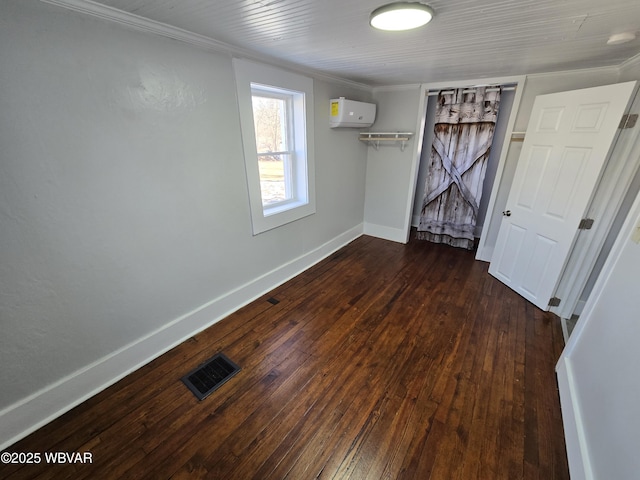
123	200
389	169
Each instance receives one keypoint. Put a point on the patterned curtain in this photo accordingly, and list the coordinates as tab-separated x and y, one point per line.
463	130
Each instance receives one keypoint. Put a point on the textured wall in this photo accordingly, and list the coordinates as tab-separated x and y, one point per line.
123	199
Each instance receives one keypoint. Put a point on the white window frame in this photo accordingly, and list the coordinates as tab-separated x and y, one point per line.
255	77
291	179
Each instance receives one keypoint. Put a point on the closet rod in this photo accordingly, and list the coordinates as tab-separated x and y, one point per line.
470	90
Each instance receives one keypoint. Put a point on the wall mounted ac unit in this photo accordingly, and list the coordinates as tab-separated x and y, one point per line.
349	113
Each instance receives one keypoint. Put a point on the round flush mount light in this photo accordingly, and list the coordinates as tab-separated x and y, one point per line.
619	38
401	16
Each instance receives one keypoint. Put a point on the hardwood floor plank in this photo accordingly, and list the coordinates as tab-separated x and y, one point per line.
383	361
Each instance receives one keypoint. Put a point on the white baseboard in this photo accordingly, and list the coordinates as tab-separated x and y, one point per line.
484	253
577	453
386	233
22	418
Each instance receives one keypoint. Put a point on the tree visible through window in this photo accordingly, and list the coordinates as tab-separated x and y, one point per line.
276	117
271	112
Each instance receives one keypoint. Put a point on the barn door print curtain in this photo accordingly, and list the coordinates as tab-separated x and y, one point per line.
464	126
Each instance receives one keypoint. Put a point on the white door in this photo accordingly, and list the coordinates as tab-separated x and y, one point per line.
566	144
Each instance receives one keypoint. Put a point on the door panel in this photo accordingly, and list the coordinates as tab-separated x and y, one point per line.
532	180
573	163
511	252
563	154
538	261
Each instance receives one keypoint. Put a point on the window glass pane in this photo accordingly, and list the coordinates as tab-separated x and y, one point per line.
274	163
278	146
270	117
275	178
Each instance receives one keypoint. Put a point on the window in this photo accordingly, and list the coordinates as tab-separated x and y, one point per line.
276	120
272	110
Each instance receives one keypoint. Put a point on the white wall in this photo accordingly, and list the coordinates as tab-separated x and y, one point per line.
598	370
389	169
124	216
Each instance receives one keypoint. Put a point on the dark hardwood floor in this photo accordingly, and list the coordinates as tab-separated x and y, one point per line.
382	361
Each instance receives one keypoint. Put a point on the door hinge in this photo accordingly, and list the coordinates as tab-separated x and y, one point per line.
628	121
585	224
554	302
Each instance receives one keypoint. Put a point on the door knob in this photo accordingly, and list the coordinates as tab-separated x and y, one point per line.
507	213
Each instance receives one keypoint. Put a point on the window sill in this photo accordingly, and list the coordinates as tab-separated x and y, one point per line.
282	214
282	207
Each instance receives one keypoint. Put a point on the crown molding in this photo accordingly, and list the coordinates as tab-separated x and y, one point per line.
396	88
630	63
131	20
582	71
139	23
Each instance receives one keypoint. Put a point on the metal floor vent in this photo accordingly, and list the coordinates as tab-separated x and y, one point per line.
210	376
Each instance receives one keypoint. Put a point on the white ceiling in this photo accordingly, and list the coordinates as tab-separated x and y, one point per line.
468	39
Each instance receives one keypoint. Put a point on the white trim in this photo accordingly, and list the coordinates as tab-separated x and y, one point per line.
483	253
476	82
395	88
579	307
386	233
137	22
22	418
487	252
630	63
584	71
142	24
576	443
575	439
415	162
301	88
565	329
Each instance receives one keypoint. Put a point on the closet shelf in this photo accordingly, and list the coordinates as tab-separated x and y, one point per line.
374	138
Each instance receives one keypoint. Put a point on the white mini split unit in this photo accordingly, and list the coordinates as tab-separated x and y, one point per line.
349	113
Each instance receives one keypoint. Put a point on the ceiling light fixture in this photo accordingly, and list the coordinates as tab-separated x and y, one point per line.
401	16
618	38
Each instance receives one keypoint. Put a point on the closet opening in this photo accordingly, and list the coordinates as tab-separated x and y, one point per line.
431	161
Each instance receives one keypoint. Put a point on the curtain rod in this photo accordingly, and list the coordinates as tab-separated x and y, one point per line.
473	89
